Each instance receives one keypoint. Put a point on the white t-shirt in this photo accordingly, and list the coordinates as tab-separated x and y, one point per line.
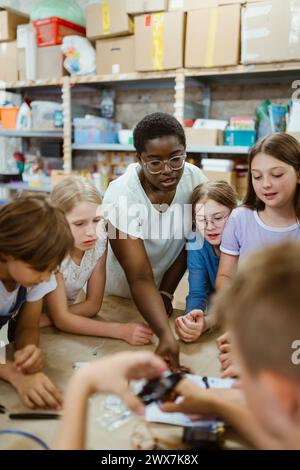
129	209
8	299
76	276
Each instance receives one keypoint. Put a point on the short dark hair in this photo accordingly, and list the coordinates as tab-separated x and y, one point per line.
157	125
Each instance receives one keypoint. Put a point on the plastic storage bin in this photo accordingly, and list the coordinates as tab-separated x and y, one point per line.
94	130
240	138
94	136
51	31
9	117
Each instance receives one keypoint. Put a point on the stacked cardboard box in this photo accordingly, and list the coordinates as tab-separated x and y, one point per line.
9	63
190	5
111	26
115	55
270	31
108	19
159	41
136	7
122	53
213	36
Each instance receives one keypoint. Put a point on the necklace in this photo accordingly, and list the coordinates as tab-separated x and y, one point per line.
160	206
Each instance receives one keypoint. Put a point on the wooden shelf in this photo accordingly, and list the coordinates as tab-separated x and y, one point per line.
37	134
22	187
255	69
218	149
252	69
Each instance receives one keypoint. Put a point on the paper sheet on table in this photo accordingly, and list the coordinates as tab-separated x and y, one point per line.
155	415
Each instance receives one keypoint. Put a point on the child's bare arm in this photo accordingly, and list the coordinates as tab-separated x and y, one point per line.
28	357
222	403
95	291
227	269
28	324
63	319
35	390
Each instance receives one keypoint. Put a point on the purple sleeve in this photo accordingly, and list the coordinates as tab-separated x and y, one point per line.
231	237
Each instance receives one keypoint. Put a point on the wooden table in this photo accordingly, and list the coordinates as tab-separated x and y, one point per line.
62	350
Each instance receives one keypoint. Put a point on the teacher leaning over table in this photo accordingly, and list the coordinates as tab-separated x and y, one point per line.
149	217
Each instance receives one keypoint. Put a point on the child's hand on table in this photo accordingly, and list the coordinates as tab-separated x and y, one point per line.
29	360
37	391
111	375
190	326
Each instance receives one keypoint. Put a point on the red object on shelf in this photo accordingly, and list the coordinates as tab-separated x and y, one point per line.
51	31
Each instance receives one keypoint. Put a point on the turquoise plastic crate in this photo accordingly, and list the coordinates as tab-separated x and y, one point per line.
240	138
94	136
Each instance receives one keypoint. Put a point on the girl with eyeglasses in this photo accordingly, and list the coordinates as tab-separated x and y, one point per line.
145	213
212	203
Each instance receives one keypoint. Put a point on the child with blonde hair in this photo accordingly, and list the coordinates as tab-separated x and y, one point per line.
34	239
80	201
212	203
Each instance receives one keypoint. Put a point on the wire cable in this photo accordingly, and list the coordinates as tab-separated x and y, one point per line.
27	435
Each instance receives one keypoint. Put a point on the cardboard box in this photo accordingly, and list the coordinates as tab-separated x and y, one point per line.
108	19
270	31
59	175
190	5
208	137
228	176
8	61
213	37
241	185
136	7
115	56
157	47
50	63
9	21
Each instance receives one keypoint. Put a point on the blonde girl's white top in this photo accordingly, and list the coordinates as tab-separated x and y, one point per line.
76	276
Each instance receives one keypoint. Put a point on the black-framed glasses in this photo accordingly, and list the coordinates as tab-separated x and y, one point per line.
157	166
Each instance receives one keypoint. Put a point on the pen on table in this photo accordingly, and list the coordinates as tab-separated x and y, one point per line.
38	416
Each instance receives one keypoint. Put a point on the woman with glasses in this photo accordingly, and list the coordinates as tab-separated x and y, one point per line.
147	217
212	203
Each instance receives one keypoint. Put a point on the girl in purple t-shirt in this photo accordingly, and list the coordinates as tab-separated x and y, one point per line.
270	212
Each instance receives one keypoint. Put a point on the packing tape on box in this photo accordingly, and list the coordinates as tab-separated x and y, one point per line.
256	33
105	18
211	40
131	19
255	11
176	4
158	33
294	35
